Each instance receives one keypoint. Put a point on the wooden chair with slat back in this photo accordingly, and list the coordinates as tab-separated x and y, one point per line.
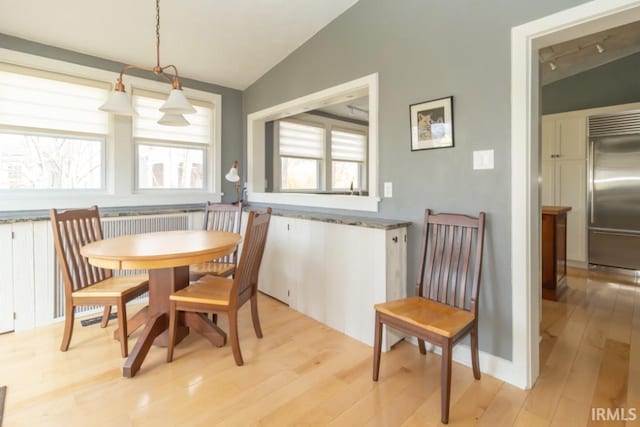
444	309
85	284
219	217
219	294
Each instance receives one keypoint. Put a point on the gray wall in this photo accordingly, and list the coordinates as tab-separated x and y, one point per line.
232	124
610	84
422	50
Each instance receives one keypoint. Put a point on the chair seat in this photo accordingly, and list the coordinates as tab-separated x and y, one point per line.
433	316
212	267
211	290
114	287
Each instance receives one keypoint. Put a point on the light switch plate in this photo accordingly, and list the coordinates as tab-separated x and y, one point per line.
388	190
483	159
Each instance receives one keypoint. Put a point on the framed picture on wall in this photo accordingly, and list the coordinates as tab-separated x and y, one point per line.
432	124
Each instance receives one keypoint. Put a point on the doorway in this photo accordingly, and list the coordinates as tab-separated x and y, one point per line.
527	39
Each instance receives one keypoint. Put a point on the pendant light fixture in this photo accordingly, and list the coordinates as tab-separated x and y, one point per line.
176	104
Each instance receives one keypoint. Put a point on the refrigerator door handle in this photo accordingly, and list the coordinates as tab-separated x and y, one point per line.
590	179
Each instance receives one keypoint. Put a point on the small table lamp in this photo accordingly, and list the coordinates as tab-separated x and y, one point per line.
232	176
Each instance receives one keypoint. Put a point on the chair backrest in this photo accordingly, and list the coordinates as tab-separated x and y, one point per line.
223	217
451	259
73	229
246	277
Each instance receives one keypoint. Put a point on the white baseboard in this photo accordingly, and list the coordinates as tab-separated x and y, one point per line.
489	364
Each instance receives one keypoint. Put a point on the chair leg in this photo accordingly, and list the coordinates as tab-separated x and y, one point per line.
214	318
105	316
122	325
233	337
69	314
445	383
421	346
255	317
173	330
474	351
377	347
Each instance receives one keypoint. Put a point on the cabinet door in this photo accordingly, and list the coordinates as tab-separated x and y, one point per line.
273	279
547	138
572	138
6	284
548	192
572	191
307	264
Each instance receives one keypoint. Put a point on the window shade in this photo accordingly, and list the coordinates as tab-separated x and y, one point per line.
145	124
348	146
298	140
37	102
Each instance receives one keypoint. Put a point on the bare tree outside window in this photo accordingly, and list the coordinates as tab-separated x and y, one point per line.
50	162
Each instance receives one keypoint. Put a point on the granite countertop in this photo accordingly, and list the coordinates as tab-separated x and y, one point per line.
105	212
380	223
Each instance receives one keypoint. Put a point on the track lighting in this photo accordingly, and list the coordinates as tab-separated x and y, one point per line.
599	48
553	66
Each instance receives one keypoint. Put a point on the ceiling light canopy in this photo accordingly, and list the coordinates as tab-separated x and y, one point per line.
176	104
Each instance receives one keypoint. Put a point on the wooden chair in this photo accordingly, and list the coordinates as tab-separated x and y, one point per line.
218	294
85	284
219	217
444	310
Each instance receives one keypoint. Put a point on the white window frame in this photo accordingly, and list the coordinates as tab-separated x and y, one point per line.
207	164
364	165
119	150
325	168
256	185
277	158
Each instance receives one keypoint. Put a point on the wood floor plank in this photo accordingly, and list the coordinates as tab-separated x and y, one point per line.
504	408
611	388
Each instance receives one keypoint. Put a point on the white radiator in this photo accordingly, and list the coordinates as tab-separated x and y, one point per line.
121	226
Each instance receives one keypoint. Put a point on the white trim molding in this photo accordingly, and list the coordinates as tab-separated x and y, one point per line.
526	39
364	86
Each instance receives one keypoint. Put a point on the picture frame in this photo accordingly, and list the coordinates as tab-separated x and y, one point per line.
432	124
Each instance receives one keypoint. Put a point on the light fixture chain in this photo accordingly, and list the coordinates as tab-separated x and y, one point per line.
158	33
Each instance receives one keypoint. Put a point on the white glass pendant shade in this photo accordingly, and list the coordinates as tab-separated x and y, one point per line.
233	176
177	103
119	103
173	120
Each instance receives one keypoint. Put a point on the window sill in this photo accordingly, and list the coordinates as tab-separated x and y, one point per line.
330	201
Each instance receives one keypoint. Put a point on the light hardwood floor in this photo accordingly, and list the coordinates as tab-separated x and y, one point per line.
304	373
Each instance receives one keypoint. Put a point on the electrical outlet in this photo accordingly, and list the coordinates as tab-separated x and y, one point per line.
388	189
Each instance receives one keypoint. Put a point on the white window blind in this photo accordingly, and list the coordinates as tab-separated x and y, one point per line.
298	140
145	124
348	146
40	100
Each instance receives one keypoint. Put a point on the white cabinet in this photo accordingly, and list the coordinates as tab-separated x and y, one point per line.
564	175
26	266
335	273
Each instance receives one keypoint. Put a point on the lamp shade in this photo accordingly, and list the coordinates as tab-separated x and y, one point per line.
118	103
232	175
169	119
177	103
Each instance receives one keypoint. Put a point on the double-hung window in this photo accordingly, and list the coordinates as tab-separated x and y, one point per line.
52	135
323	155
348	159
170	157
301	152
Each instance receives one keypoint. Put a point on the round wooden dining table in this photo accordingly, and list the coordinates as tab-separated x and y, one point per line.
167	256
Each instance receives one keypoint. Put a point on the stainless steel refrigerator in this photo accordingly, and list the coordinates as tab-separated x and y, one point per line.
614	190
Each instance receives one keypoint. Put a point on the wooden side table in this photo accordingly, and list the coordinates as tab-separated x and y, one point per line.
554	251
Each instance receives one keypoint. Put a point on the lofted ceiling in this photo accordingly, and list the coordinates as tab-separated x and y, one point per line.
578	55
227	42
